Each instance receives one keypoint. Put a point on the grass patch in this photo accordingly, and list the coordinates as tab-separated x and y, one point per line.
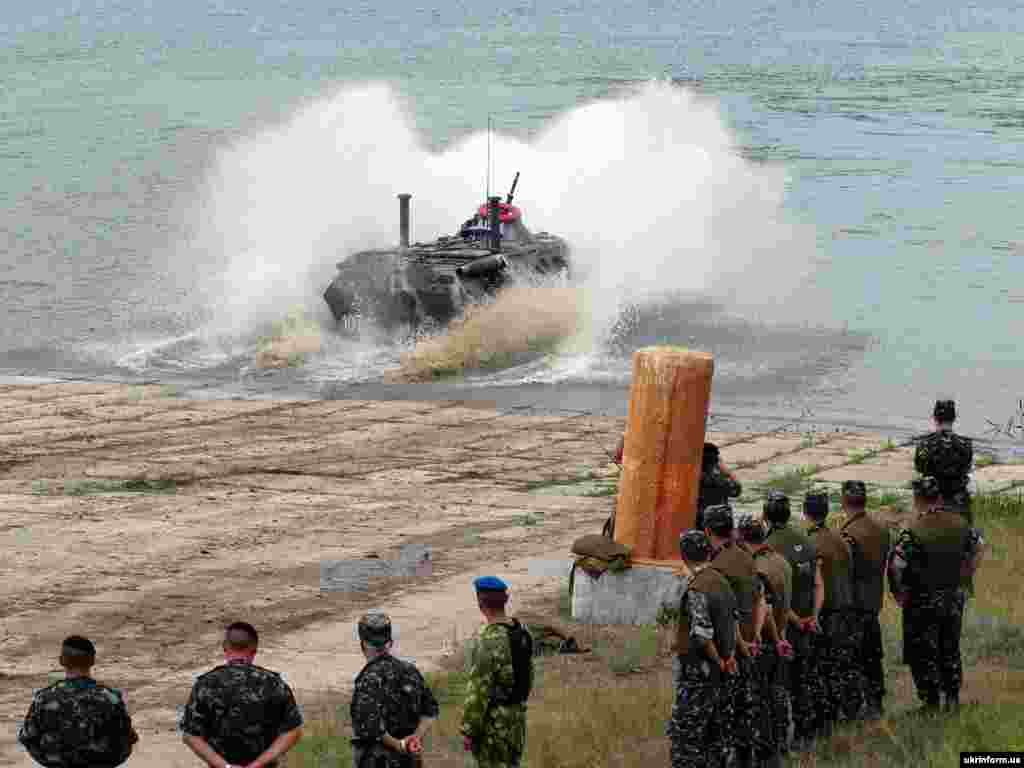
983	460
792	481
934	742
859	456
93	487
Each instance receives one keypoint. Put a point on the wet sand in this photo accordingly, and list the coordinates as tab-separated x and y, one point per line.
267	490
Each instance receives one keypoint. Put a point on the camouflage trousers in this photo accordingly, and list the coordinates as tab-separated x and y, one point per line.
837	648
694	730
932	623
869	659
739	711
773	728
806	690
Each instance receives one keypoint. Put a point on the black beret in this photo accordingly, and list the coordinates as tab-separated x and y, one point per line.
694	546
816	504
855	489
718	518
945	410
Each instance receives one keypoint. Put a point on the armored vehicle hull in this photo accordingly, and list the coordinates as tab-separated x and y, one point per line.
411	284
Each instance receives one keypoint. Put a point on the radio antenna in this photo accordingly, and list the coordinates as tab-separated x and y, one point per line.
488	184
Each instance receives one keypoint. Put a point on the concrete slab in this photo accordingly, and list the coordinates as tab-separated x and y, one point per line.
633	596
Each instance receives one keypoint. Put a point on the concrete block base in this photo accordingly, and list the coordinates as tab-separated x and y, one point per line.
633	596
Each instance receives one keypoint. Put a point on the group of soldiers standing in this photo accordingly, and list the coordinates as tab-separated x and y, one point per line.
242	715
779	637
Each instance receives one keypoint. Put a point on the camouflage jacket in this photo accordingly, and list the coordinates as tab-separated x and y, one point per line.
391	697
948	458
76	723
240	709
909	560
498	731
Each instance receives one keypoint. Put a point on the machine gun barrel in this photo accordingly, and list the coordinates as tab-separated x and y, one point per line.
512	192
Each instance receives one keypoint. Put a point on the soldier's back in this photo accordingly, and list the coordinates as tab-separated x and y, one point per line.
947	457
836	568
872	543
941	536
801	555
77	722
240	709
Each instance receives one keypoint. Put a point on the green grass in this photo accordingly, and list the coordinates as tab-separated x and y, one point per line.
792	481
934	742
94	487
638	652
859	456
984	460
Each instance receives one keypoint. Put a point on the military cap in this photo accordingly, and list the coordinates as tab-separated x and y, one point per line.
776	507
78	645
816	504
751	528
926	488
855	489
375	629
694	546
718	518
489	584
945	411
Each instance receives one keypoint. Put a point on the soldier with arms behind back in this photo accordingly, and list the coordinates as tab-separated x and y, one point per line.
500	679
931	557
392	706
839	638
773	659
239	714
78	722
704	645
805	686
870	543
736	564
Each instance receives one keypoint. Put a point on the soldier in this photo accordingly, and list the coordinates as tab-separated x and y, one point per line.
717	484
777	576
870	543
925	572
839	638
500	679
947	457
805	688
736	564
704	646
239	714
392	705
77	721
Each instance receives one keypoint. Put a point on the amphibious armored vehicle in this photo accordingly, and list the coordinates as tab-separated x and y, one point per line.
405	286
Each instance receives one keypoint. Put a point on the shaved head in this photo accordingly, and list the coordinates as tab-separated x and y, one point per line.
240	636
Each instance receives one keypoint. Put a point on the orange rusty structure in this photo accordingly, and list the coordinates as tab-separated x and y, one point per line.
664	441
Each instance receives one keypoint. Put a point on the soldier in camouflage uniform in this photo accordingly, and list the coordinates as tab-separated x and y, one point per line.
239	714
493	728
947	457
870	544
717	484
925	572
839	640
392	705
736	564
805	685
775	653
78	722
704	645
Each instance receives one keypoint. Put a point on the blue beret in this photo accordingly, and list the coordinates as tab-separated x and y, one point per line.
490	584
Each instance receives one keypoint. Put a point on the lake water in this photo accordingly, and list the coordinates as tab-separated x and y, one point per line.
842	181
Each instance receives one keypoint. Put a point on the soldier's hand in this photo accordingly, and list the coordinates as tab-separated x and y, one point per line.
785	649
755	649
730	666
134	737
902	598
413	745
467	744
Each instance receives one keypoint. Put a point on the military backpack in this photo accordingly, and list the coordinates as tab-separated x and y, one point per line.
522	662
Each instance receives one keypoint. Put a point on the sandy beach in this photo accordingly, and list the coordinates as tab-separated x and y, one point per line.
147	521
